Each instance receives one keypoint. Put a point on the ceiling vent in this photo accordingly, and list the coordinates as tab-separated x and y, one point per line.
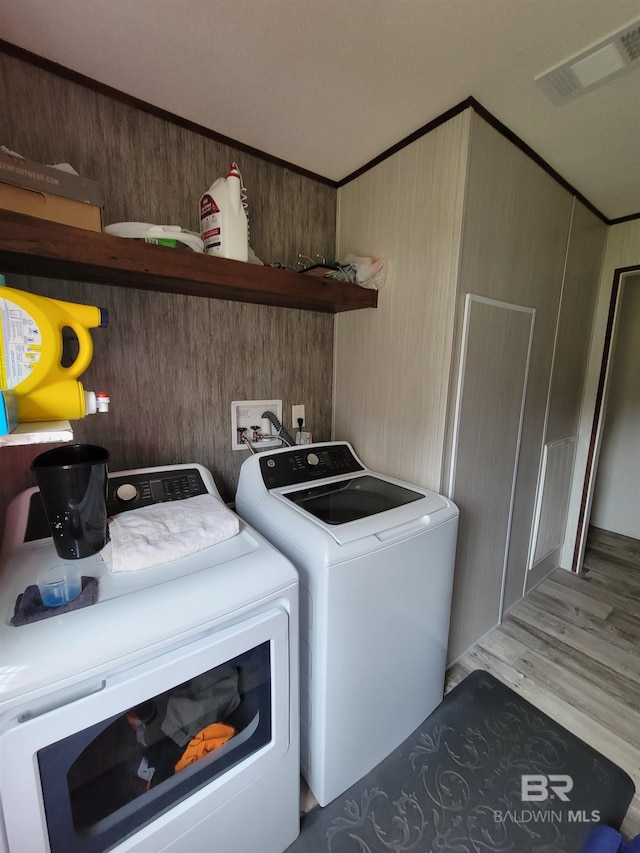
608	59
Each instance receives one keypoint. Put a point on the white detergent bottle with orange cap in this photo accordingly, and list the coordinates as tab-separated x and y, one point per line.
45	344
223	218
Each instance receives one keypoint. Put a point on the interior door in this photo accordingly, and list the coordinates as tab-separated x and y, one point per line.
492	382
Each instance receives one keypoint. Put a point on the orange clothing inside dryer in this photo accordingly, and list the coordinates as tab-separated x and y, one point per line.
210	738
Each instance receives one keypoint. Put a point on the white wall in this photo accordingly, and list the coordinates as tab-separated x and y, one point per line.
616	497
516	229
622	250
461	210
392	364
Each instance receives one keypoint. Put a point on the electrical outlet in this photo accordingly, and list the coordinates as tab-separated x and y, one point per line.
296	412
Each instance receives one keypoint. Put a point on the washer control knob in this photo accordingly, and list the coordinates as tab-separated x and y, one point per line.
312	459
126	492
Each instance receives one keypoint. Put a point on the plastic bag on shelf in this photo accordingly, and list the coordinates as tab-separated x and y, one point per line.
367	272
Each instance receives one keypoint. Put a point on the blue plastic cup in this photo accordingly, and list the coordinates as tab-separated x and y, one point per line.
60	584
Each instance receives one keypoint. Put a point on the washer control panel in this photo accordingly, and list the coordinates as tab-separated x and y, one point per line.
300	465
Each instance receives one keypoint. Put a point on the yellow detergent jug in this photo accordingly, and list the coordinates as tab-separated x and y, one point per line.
35	337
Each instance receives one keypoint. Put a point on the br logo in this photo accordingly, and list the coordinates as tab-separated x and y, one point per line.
536	787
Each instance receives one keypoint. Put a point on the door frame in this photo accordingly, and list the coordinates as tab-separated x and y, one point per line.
599	412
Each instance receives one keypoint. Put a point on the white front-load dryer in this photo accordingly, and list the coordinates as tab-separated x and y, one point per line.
115	733
375	557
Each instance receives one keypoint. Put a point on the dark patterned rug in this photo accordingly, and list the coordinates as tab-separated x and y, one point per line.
486	772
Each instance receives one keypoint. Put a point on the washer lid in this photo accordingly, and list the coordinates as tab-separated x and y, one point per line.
349	500
382	510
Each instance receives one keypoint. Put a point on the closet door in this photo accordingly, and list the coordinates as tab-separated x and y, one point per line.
492	383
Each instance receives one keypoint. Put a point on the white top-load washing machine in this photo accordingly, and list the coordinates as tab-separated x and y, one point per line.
97	704
375	557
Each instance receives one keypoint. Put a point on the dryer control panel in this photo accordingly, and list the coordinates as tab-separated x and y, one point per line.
128	490
305	464
133	491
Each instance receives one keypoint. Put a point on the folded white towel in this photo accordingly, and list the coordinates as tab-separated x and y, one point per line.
156	534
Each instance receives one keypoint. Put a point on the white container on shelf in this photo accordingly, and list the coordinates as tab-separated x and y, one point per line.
223	218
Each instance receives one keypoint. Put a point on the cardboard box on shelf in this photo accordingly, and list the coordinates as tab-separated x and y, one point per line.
48	193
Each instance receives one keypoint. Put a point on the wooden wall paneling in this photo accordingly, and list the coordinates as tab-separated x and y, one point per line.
154	171
174	363
15	475
515	237
392	365
496	351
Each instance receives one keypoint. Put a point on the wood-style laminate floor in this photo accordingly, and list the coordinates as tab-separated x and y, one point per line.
571	647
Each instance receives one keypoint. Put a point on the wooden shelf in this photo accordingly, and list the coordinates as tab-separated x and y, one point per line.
33	246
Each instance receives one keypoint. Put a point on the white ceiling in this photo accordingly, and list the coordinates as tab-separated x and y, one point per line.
329	84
